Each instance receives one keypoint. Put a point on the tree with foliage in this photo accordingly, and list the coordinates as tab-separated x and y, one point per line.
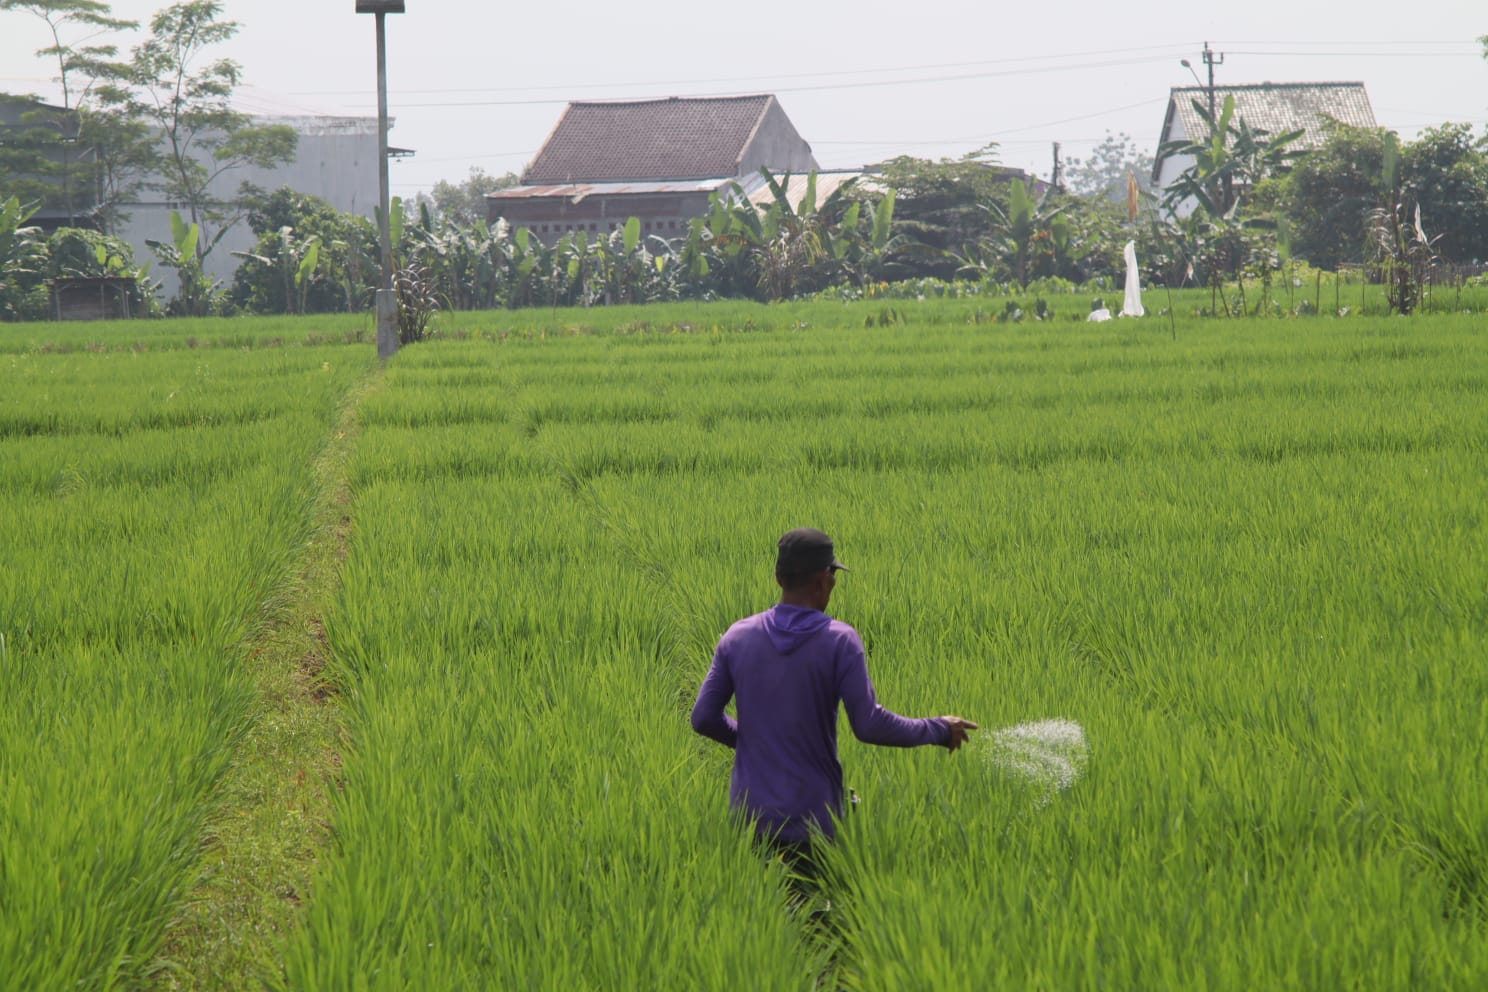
32	154
1328	195
22	263
1025	237
1444	173
62	151
1332	195
169	83
777	249
465	203
1105	172
80	253
78	64
1030	229
287	223
794	248
942	206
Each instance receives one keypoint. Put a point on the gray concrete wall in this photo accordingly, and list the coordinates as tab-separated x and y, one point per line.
336	159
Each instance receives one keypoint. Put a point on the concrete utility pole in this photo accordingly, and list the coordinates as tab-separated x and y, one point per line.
387	300
1211	59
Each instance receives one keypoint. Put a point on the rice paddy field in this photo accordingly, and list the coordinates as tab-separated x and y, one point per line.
1248	558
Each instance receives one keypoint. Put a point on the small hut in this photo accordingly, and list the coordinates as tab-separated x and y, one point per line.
92	298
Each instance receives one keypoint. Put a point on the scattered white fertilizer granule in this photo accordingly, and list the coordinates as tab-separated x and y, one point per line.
1047	754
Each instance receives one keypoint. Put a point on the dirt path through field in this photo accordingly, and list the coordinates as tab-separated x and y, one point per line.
273	817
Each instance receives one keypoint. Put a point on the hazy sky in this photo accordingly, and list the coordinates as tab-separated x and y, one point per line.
476	83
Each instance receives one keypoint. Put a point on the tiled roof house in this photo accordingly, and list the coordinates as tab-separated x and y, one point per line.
1273	107
657	160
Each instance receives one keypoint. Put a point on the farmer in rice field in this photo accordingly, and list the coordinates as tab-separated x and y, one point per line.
788	668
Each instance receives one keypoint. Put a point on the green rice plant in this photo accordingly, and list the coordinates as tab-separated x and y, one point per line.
1247	561
148	504
186	333
503	822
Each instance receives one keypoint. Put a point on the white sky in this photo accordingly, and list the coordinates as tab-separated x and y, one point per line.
478	83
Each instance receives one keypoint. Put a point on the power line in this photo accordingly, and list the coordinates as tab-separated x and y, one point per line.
866	84
955	77
1063	57
474	155
1356	55
1379	43
993	135
748	79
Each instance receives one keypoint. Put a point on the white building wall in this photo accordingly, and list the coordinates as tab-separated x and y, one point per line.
1174	166
336	159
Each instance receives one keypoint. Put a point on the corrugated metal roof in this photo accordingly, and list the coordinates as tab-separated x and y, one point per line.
577	192
754	187
317	125
827	183
677	138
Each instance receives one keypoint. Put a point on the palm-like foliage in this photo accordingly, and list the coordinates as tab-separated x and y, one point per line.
1231	158
778	249
774	249
22	254
1027	226
296	260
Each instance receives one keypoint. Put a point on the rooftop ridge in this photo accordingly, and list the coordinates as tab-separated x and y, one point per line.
1220	87
622	101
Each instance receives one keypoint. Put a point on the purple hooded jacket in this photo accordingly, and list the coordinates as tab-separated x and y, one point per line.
788	668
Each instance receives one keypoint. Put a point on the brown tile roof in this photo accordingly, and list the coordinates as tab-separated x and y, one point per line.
678	138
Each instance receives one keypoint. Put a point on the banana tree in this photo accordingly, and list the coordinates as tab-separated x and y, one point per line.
1230	159
789	248
297	261
197	292
22	255
873	249
1027	230
694	271
530	263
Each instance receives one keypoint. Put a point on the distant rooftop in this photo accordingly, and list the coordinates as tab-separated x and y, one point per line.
649	140
1273	107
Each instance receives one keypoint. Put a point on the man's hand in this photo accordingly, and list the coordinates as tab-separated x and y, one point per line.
958	728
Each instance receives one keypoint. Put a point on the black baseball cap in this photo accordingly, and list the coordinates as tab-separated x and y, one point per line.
806	550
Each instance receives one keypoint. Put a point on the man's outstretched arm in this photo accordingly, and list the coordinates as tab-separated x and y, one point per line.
708	717
874	724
